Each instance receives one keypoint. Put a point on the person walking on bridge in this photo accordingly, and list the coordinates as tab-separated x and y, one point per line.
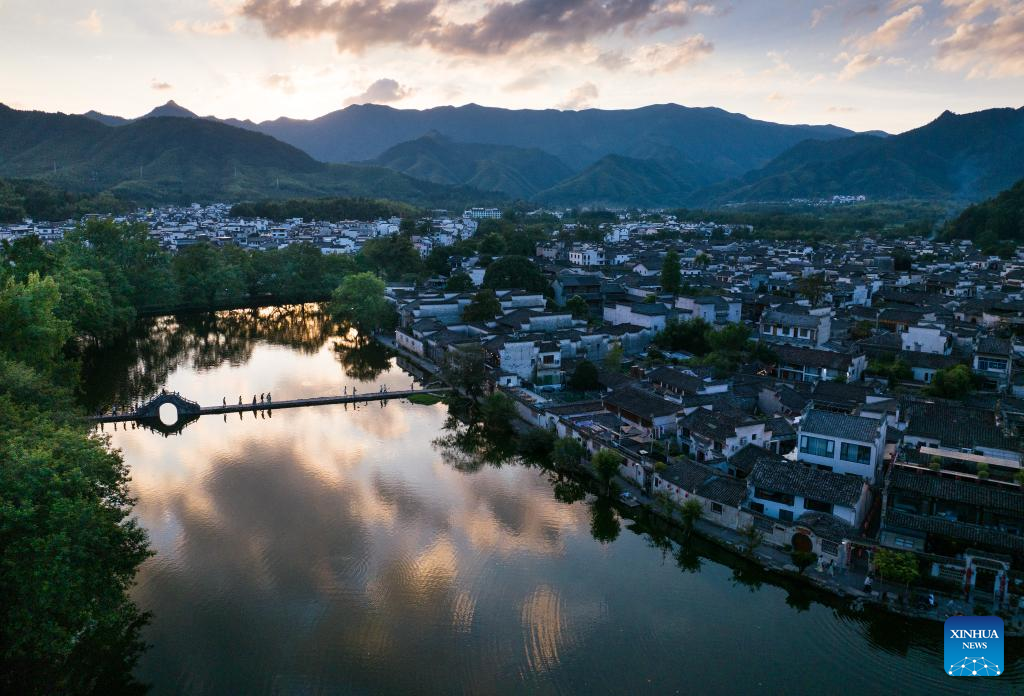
254	401
268	397
225	401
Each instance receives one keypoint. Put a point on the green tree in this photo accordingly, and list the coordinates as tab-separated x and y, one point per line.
514	272
861	330
465	370
537	444
606	464
613	358
578	307
498	414
459	282
750	538
360	300
86	302
813	287
584	377
896	566
204	279
393	256
701	260
691	336
127	250
691	511
730	339
483	307
803	559
670	273
30	330
567	453
492	245
952	383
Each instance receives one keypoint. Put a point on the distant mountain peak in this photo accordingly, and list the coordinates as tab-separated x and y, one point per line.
172	109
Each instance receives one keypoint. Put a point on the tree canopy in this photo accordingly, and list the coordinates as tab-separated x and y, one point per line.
483	307
514	272
670	270
584	377
360	300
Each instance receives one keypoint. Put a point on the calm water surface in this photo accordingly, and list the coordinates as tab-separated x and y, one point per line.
337	551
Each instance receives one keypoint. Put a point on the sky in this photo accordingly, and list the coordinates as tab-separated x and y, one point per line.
885	64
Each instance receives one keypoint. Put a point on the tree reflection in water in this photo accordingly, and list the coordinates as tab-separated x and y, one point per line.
604	522
469	446
137	365
363	358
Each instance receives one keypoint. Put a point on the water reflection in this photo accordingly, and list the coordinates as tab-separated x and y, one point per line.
327	550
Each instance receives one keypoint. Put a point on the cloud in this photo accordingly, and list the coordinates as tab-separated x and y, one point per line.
666	58
580	97
528	81
777	97
160	85
891	30
612	60
856	65
92	24
281	82
987	39
842	109
383	91
504	26
211	28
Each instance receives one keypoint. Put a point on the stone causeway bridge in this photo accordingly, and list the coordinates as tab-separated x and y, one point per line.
188	410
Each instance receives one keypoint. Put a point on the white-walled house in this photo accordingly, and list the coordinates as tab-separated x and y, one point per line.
800	328
842	443
927	339
785	490
719	494
650	315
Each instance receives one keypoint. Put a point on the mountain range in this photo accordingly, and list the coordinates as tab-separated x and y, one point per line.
656	156
173	159
961	158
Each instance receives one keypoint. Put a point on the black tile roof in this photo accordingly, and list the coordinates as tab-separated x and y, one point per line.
955	425
706	482
794	478
973	533
991	496
640	402
840	425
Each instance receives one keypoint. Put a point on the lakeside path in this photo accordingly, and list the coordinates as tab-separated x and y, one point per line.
844	583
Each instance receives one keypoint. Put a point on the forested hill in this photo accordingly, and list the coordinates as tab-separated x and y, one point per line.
169	159
959	158
992	223
516	171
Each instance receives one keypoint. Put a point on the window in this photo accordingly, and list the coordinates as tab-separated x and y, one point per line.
817	505
786	515
716	508
757	507
804	333
817	446
858	454
784	498
902	543
830	547
991	365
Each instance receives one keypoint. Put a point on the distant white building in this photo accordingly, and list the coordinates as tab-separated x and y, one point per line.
482	214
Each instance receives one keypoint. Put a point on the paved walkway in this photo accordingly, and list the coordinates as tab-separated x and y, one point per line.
843	582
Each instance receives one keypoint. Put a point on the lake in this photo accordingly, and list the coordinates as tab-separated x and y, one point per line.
339	550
